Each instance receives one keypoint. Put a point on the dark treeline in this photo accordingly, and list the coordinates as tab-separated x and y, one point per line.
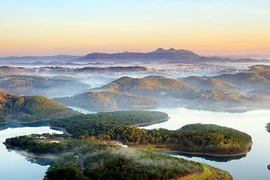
53	144
96	124
35	144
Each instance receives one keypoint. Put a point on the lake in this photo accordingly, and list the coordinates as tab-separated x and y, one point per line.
252	166
14	166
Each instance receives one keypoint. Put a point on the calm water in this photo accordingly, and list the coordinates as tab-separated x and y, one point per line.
14	166
253	166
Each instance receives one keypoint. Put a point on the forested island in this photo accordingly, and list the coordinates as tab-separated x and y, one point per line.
90	150
121	126
197	138
31	108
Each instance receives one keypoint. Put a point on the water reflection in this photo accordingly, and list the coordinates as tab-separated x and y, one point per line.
206	157
15	166
41	161
250	166
18	124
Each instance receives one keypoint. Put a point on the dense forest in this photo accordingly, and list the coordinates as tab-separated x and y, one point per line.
96	124
53	144
108	100
99	160
31	108
150	85
197	138
35	145
121	164
93	159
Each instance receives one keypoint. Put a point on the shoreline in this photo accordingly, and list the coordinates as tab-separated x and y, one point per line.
136	125
151	122
96	110
166	150
31	155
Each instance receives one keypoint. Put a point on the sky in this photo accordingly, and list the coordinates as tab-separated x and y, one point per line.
206	27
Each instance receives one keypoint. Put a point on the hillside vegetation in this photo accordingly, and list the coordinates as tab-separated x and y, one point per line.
38	85
31	108
108	100
208	83
147	85
247	81
91	159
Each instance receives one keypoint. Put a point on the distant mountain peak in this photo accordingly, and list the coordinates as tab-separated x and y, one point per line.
159	54
160	49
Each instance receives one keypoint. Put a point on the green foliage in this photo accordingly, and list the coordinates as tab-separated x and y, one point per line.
30	145
29	108
196	138
208	83
99	123
147	85
123	164
53	144
65	173
108	100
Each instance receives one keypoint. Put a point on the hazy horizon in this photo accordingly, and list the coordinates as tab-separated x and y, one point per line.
207	27
109	52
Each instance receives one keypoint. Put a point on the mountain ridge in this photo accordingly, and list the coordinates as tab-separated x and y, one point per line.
160	53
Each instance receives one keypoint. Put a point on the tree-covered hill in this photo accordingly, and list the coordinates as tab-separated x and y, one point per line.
107	100
146	86
209	83
31	108
39	85
247	81
209	95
